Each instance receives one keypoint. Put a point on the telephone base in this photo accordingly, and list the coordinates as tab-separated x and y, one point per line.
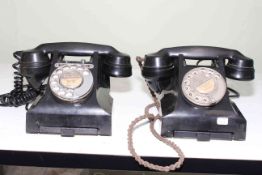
221	122
54	116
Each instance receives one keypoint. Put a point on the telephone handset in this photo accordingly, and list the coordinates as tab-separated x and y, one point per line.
194	99
76	98
36	61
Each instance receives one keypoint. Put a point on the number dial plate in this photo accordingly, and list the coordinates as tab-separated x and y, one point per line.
203	86
71	82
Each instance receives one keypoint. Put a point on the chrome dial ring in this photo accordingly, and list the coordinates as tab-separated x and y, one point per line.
203	86
71	82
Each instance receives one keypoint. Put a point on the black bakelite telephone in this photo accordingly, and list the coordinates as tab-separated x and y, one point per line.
76	98
194	99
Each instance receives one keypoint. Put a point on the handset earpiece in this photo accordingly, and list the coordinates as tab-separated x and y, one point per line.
158	71
35	66
240	67
117	65
157	66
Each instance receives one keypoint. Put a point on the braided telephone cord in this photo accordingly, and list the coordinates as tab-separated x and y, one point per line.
147	164
152	118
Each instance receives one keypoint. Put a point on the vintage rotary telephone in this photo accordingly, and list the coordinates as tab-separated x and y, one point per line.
194	99
76	98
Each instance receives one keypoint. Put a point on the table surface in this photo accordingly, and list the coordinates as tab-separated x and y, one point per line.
130	97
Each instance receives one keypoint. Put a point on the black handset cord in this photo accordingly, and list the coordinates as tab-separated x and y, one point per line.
21	94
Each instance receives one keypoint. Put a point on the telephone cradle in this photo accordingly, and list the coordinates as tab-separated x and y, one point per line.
75	100
194	99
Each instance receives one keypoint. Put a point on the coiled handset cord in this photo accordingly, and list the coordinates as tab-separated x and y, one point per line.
152	118
21	94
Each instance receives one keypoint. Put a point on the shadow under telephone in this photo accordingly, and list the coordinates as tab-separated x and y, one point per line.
76	98
194	99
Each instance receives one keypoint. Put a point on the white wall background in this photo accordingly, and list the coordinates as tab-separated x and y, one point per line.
136	27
